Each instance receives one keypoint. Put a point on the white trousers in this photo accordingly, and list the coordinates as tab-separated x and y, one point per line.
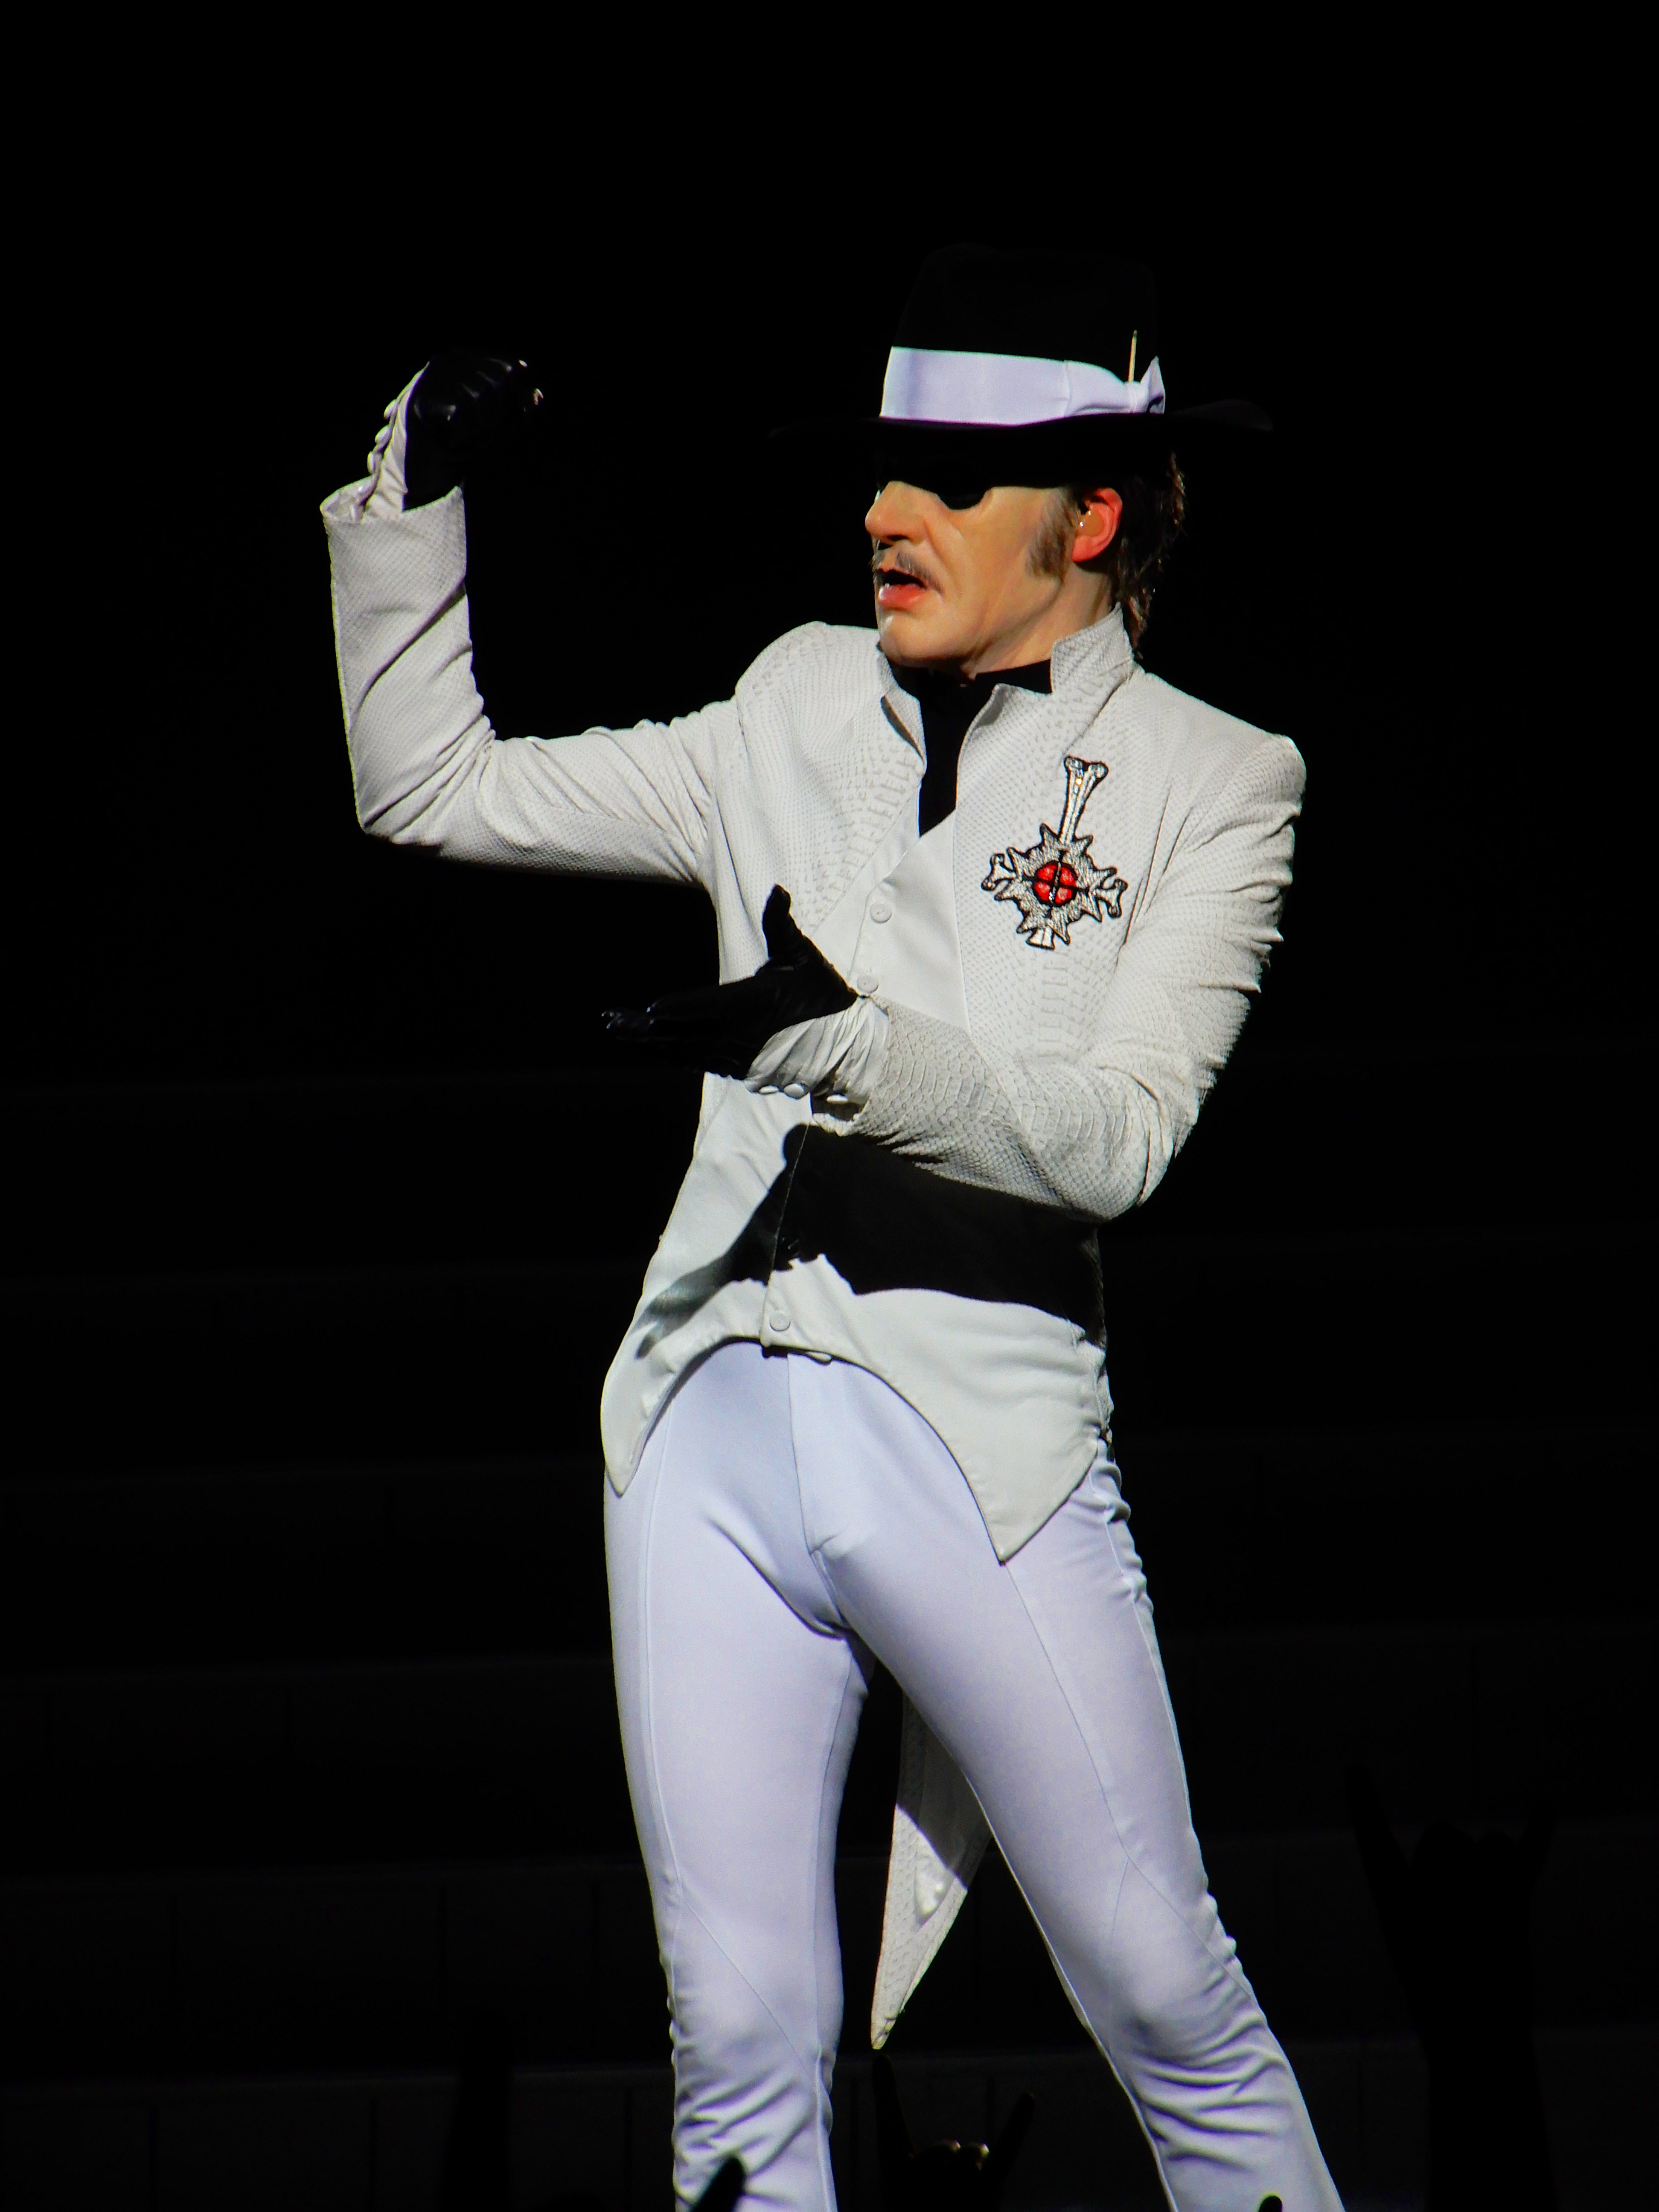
790	1519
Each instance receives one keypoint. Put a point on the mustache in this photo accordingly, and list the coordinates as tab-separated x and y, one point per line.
891	558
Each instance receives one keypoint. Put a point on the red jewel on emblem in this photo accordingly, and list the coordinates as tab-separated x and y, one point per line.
1055	883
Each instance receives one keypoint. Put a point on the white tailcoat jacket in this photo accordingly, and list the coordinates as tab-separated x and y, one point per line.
943	1235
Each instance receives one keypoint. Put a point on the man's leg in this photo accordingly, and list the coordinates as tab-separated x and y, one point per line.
1043	1680
740	1694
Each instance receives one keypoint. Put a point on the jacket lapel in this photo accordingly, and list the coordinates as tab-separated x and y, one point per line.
1012	781
869	775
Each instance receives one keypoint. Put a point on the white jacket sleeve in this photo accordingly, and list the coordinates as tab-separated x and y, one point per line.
1095	1131
428	769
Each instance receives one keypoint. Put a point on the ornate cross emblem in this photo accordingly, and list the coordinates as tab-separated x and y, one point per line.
1054	883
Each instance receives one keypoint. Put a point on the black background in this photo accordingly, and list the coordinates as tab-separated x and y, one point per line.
1427	585
247	1037
317	1162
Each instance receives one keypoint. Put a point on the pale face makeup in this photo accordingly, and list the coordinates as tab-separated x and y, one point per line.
955	587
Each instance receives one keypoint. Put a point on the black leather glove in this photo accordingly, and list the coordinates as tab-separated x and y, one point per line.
947	2177
465	404
723	1026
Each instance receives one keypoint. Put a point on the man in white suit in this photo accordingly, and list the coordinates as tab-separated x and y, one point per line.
992	903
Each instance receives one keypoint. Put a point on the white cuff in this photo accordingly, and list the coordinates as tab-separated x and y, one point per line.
380	497
837	1056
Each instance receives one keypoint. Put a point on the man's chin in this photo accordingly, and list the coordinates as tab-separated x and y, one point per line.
916	634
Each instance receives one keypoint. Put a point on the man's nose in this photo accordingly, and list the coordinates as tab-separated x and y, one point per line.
893	513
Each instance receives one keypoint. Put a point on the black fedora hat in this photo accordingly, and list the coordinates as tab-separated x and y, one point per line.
1016	367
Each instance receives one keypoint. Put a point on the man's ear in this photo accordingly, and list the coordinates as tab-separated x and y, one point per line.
1098	525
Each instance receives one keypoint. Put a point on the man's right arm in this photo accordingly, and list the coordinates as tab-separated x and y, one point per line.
427	768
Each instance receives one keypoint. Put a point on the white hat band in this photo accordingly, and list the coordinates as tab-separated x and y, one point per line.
1008	389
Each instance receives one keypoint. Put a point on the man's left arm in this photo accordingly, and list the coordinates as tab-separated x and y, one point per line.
1094	1126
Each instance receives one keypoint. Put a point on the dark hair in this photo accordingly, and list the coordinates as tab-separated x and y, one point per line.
1154	510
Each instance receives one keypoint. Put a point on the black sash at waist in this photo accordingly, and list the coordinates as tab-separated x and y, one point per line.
885	1224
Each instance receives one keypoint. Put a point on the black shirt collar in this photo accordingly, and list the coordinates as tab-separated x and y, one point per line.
948	705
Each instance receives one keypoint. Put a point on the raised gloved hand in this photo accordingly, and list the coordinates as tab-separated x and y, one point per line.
464	404
794	1026
947	2177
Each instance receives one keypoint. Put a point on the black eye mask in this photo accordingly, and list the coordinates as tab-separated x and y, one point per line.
952	491
958	496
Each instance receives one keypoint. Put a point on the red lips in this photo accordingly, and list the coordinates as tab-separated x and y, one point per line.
898	588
